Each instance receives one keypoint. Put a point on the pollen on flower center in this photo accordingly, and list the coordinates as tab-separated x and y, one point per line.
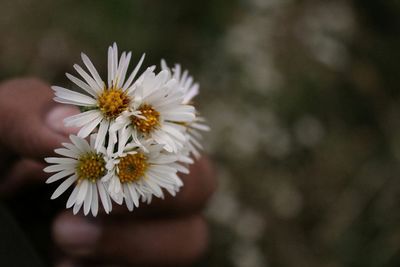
91	166
132	167
112	102
150	123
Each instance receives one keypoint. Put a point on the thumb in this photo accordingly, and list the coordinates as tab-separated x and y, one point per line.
31	123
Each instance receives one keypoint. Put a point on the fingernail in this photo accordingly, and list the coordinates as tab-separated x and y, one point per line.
55	119
77	235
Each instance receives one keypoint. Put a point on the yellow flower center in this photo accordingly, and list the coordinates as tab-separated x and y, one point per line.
112	102
151	120
132	167
91	166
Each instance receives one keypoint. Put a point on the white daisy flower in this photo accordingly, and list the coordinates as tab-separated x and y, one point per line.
83	166
103	101
157	106
187	85
190	89
141	172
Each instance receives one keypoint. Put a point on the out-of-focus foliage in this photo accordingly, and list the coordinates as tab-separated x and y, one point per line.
302	97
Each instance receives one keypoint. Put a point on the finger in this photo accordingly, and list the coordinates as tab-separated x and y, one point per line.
7	159
169	242
31	123
22	173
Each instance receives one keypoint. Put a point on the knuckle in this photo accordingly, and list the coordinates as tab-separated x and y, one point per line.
28	86
195	242
199	186
210	177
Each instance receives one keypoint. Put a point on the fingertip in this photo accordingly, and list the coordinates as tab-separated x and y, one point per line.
31	126
196	243
162	242
75	234
204	170
55	116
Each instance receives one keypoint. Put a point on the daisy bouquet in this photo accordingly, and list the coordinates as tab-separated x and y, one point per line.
137	132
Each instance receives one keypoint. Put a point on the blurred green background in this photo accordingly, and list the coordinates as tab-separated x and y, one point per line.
303	101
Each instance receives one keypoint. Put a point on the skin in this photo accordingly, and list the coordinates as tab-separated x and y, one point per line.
170	232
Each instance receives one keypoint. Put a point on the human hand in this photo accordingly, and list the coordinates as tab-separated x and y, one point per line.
31	127
168	232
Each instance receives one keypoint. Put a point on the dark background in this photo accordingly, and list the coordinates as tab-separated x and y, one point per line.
302	98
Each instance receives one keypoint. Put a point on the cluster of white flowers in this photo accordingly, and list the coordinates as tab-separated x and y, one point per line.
136	133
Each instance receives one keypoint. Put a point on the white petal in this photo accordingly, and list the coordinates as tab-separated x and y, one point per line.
163	159
134	195
83	188
73	148
188	82
182	113
67	153
103	197
59	175
81	84
163	169
124	69
108	176
83	118
194	151
104	125
80	143
154	187
177	72
70	95
186	159
115	61
128	82
161	78
59	167
128	197
87	129
109	65
72	198
109	202
71	102
181	168
163	104
76	208
191	94
161	178
121	70
184	76
95	201
63	186
170	144
90	81
195	143
170	128
88	199
201	127
92	70
159	181
164	65
115	190
60	160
